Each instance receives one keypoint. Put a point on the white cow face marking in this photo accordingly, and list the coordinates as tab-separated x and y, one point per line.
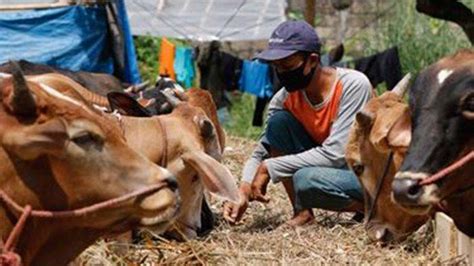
443	75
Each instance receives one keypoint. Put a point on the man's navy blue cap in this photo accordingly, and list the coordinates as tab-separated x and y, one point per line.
289	38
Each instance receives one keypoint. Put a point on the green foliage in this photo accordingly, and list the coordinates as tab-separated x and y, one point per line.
147	48
242	114
421	39
295	15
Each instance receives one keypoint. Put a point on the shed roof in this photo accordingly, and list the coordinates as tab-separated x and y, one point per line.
206	19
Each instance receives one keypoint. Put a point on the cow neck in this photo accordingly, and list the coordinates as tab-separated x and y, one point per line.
378	188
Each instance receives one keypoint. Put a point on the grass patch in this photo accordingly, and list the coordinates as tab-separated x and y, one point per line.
243	105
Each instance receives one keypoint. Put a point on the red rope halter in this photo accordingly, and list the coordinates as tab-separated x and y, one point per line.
448	170
7	253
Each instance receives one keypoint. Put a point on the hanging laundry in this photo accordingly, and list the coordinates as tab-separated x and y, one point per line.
184	66
212	73
261	103
380	67
166	59
232	66
255	79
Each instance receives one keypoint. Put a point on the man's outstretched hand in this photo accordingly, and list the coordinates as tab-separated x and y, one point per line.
233	212
260	183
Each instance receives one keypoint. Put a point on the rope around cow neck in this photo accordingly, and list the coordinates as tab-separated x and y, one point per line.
448	170
379	186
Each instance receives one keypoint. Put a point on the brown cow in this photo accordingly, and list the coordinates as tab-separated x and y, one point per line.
196	97
193	151
58	154
442	104
381	128
193	148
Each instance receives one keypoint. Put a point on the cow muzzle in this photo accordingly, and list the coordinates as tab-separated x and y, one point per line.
410	195
160	208
382	232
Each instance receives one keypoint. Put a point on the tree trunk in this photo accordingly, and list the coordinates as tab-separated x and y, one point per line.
310	12
450	10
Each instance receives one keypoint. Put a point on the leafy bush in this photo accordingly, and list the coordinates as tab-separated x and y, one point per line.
147	48
421	39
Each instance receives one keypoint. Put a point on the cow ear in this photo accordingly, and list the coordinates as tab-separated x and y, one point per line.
207	129
208	133
126	105
215	177
336	53
385	125
399	135
467	106
365	119
29	142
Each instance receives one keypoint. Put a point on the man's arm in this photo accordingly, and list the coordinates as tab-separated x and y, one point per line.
260	153
357	91
234	212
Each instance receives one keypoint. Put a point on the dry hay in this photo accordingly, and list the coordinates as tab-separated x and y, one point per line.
261	240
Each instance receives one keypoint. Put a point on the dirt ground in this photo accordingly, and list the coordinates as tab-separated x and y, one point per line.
260	240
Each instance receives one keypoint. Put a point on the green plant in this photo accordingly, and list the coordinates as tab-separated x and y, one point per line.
422	40
147	48
242	114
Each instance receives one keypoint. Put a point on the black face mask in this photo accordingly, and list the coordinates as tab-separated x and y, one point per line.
295	79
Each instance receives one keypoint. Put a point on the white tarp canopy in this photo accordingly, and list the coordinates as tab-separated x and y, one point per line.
233	20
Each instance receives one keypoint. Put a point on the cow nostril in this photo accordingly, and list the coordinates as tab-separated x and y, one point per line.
172	183
407	190
414	190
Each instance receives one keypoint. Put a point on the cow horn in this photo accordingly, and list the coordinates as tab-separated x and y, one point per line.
22	101
130	89
402	85
141	86
171	99
137	88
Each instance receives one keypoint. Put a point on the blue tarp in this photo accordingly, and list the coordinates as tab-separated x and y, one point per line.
132	73
74	38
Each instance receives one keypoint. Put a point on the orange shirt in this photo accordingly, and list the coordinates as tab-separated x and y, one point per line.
166	59
317	120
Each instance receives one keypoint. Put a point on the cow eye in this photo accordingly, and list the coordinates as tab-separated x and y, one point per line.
85	139
468	104
358	168
467	107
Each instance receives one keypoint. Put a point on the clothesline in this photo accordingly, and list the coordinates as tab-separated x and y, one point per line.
221	72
